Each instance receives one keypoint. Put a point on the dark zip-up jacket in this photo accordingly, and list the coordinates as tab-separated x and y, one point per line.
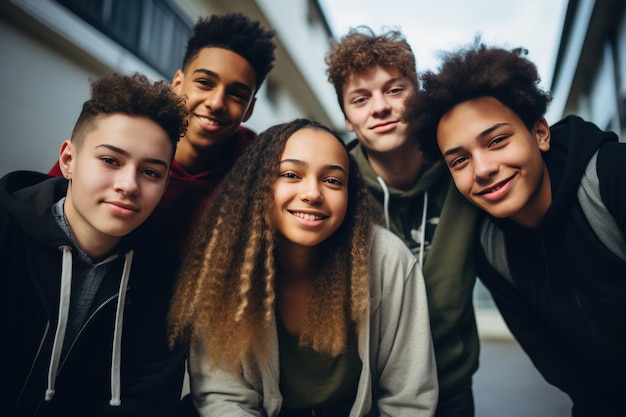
567	302
31	255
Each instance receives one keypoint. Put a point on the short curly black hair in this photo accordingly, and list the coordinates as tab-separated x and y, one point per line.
361	49
133	95
473	72
237	33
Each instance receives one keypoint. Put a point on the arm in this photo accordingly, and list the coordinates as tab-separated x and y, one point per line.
547	353
405	374
218	392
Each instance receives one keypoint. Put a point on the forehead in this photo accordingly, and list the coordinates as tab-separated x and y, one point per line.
316	146
373	78
227	65
137	135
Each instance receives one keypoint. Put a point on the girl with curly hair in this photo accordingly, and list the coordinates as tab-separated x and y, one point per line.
292	301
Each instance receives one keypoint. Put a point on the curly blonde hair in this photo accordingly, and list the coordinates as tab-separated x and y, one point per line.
226	293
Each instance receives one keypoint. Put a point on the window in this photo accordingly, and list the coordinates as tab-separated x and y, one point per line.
150	29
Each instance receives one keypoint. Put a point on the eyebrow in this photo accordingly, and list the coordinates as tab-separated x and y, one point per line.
126	154
328	167
480	136
217	76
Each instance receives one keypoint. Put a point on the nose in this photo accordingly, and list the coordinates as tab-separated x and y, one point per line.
126	181
484	167
380	105
215	99
311	192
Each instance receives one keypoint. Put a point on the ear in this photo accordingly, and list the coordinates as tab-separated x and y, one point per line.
249	110
541	131
177	81
348	125
67	154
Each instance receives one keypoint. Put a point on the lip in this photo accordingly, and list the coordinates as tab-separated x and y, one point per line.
384	127
122	209
498	190
308	217
208	122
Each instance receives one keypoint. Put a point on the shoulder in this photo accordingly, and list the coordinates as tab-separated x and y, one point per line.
389	254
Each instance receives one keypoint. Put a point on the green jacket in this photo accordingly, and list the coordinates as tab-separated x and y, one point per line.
448	269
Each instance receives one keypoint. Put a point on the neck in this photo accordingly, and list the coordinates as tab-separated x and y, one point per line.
195	160
399	168
297	263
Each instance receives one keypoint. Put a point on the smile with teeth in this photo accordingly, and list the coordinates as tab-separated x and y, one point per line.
307	216
208	121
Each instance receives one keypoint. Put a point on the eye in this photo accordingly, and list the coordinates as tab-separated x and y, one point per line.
333	181
359	100
458	162
497	140
289	175
204	82
108	160
151	173
395	90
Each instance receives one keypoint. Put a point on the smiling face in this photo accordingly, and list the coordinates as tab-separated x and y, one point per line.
117	176
496	161
219	86
374	104
311	190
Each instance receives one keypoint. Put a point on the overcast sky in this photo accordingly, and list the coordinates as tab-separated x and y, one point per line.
435	25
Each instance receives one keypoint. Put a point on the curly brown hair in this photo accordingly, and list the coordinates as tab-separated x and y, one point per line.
133	95
361	49
238	33
226	291
473	72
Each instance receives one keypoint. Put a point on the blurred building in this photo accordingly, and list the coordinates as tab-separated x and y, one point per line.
50	48
590	71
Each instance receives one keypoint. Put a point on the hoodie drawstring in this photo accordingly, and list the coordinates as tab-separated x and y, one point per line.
117	336
385	201
424	213
64	308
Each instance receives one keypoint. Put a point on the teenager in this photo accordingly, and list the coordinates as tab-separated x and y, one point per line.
86	279
558	285
373	76
226	61
292	301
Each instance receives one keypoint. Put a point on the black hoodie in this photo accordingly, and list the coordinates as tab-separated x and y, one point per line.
84	378
567	302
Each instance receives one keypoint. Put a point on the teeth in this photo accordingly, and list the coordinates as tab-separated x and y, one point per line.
207	121
307	216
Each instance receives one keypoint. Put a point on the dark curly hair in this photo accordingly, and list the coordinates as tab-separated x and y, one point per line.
225	295
239	34
361	49
133	95
474	72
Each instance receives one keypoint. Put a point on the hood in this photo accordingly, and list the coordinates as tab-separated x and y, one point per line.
28	197
572	144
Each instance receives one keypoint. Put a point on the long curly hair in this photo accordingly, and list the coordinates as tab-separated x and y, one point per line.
238	33
226	292
360	50
473	72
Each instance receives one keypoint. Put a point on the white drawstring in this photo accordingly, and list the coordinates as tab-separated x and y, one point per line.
64	308
117	336
423	232
424	214
385	201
